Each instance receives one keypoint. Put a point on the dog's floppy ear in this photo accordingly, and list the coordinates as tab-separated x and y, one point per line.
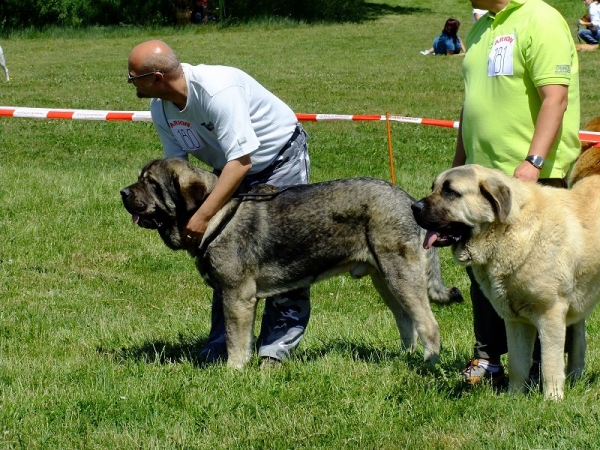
191	189
499	195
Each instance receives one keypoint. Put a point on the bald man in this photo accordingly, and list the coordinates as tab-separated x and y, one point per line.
229	121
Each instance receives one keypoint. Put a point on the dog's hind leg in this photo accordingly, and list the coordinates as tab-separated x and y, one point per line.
239	307
402	286
576	350
406	327
437	290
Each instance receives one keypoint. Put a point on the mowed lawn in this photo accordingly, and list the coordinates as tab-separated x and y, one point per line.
100	323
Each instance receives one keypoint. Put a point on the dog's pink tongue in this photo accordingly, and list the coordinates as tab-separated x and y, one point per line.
135	218
430	238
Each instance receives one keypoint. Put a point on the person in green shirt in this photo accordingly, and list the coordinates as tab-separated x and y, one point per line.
520	115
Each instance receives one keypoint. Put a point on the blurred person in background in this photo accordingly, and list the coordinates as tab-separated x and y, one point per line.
447	42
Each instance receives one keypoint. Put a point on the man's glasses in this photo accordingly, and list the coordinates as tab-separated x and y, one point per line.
131	79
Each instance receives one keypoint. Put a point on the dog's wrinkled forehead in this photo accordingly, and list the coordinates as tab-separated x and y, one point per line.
459	179
145	176
150	172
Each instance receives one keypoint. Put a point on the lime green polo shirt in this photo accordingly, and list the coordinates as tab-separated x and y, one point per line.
526	45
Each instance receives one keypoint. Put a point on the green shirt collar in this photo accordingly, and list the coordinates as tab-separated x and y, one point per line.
512	5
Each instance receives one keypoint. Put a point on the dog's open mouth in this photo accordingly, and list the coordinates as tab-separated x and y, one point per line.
435	239
443	236
146	222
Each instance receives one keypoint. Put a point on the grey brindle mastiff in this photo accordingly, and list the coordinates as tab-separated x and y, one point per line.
268	242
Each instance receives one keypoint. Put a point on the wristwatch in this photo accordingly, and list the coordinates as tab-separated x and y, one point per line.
536	161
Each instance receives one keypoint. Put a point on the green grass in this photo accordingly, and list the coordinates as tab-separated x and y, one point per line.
100	322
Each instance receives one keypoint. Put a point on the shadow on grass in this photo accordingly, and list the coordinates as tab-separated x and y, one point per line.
358	351
377	10
446	377
185	349
448	382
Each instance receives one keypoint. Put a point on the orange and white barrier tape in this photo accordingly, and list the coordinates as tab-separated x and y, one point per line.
403	119
589	136
74	114
144	116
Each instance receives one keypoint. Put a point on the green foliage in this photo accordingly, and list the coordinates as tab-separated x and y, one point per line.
41	14
113	12
304	10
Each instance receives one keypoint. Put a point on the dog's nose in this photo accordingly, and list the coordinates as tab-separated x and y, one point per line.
418	207
125	193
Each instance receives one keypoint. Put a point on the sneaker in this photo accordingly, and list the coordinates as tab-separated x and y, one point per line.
425	52
473	374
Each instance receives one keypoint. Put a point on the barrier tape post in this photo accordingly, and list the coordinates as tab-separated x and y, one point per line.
391	151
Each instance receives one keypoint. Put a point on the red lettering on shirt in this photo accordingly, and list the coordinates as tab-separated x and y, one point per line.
508	39
183	123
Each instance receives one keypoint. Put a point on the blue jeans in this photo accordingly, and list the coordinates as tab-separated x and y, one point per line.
285	316
589	36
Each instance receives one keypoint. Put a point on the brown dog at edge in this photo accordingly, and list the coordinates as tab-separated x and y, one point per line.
588	162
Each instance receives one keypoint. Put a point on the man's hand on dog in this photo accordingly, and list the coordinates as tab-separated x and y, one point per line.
195	228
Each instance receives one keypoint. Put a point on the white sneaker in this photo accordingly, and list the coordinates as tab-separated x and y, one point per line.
425	52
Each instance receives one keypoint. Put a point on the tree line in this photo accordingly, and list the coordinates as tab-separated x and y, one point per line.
40	14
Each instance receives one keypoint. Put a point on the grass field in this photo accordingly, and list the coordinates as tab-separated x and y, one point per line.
100	322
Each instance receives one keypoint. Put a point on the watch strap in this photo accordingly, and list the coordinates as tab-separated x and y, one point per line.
536	161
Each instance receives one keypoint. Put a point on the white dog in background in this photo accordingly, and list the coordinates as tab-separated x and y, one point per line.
3	64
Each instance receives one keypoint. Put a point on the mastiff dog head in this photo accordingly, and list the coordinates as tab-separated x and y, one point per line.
465	203
166	203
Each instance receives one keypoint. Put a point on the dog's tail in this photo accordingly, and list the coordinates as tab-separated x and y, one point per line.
587	164
437	290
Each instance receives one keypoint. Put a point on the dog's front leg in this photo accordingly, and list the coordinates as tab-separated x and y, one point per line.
553	329
239	307
576	350
520	338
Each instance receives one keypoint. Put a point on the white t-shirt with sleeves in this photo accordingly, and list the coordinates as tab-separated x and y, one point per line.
594	10
228	114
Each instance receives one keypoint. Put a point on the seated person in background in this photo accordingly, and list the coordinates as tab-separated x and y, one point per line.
199	12
589	25
448	42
